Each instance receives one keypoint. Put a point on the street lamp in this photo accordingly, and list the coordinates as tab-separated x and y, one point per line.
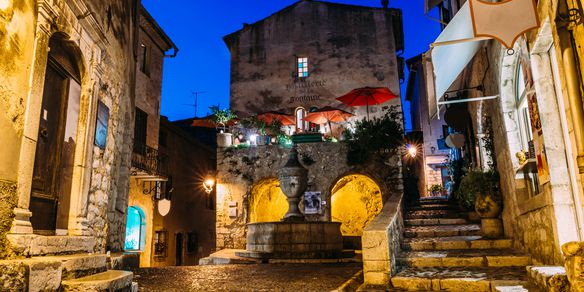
208	184
412	150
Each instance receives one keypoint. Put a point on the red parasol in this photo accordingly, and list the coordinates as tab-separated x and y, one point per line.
270	117
327	114
366	96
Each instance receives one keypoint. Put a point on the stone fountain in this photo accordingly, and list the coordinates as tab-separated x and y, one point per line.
293	237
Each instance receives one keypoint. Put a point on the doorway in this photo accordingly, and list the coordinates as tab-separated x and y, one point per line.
56	142
179	249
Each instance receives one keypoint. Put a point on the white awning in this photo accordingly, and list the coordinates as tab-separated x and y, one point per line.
450	54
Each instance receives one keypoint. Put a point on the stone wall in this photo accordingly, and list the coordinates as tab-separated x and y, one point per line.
240	169
347	47
103	44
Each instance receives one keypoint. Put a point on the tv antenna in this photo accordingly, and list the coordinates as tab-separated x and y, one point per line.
196	95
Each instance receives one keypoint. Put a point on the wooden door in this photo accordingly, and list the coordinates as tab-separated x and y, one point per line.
44	198
179	249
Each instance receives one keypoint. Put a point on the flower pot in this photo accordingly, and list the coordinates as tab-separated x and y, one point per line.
487	207
224	140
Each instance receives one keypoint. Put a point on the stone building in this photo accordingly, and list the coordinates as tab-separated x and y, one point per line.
298	59
538	108
67	99
431	162
189	227
307	54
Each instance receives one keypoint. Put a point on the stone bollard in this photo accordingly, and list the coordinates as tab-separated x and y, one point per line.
574	264
491	227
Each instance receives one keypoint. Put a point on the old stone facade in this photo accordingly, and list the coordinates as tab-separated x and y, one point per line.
544	214
92	42
240	171
148	167
346	47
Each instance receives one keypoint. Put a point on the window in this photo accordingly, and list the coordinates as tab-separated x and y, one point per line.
192	242
140	131
302	67
135	229
160	243
522	109
145	59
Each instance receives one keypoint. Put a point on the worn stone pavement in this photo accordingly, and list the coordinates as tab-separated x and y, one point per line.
254	277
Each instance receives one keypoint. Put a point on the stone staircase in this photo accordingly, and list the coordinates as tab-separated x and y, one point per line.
443	250
77	272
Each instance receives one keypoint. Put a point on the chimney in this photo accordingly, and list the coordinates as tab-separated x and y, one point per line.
385	3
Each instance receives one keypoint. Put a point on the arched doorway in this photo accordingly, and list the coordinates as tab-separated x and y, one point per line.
135	229
355	201
267	201
57	138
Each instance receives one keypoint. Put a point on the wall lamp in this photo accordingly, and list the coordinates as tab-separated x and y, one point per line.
208	184
412	150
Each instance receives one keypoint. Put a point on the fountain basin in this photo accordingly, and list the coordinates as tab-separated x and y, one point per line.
294	240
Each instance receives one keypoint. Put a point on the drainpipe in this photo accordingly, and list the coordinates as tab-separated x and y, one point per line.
574	94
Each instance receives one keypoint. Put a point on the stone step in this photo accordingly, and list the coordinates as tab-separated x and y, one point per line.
112	280
464	258
454	242
434	214
458	279
442	230
439	221
433	207
80	265
547	278
47	272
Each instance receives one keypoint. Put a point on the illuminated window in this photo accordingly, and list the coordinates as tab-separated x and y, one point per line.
522	109
135	229
302	67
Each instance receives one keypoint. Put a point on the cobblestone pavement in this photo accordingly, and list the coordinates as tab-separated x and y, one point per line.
261	277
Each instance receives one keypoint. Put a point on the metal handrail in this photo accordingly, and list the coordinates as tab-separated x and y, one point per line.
149	160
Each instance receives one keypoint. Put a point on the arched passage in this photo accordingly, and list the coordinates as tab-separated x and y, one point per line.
267	201
355	201
135	229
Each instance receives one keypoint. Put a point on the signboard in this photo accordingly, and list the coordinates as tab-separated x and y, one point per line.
101	125
312	203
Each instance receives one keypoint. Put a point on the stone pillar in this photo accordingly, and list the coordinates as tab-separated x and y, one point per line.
574	264
21	223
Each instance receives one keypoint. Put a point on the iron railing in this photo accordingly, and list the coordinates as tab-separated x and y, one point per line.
149	160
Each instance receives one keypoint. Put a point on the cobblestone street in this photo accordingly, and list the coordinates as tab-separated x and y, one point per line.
263	277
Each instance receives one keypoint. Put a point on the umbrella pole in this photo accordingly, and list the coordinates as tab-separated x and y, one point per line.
330	127
367	109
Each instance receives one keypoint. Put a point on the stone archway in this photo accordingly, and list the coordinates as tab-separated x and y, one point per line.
355	200
267	202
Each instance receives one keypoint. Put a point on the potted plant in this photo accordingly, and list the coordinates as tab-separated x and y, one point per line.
480	189
437	190
221	117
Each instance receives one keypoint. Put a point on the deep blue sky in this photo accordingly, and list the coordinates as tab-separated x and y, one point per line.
198	26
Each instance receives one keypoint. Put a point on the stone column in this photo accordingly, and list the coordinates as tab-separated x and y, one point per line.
21	223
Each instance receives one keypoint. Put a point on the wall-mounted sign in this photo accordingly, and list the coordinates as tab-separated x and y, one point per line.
101	125
305	90
312	203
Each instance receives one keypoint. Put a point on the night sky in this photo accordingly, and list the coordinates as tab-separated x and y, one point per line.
197	27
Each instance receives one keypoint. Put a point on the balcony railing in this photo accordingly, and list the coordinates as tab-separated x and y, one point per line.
149	160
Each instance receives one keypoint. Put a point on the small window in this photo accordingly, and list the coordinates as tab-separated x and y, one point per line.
140	131
302	67
160	243
192	242
145	59
162	137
